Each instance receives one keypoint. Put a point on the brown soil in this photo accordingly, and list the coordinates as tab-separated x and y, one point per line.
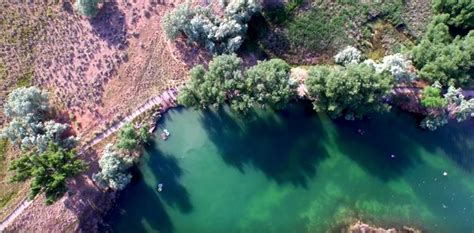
97	71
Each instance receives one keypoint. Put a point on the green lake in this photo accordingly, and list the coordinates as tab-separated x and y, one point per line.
295	171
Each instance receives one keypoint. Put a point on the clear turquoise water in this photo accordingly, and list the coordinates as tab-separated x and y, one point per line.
296	171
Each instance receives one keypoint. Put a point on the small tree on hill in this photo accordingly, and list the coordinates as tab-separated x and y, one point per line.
114	169
49	171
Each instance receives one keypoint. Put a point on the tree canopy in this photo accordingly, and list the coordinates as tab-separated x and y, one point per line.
440	57
352	92
130	138
29	128
265	84
461	12
49	171
114	169
204	27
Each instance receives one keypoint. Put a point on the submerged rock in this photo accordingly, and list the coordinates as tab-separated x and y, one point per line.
360	227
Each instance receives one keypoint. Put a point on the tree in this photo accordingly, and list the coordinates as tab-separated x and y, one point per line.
28	128
268	83
431	98
441	58
49	170
144	134
114	169
265	84
214	86
88	8
27	102
352	92
461	12
130	138
202	26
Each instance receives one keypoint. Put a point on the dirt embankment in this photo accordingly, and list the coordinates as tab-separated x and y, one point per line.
98	71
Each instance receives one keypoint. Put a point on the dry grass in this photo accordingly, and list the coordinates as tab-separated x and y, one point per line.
11	194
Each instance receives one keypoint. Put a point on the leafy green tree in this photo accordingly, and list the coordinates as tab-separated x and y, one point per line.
88	8
144	134
352	92
461	12
127	138
114	169
441	58
265	84
268	84
49	171
431	98
130	138
214	86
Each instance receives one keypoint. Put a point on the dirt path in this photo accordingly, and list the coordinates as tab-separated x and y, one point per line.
167	100
24	204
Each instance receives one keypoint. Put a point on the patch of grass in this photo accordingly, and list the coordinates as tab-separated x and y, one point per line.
303	31
315	30
25	79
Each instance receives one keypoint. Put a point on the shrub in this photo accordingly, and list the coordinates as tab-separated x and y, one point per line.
349	55
431	98
87	8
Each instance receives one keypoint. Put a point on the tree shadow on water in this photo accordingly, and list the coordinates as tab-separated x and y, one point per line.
286	146
384	145
166	170
141	206
456	140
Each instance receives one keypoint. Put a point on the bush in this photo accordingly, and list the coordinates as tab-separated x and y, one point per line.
349	55
431	98
87	8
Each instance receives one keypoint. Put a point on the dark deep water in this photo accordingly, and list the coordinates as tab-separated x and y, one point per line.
297	171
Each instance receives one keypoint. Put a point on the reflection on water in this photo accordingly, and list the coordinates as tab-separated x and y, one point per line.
295	171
